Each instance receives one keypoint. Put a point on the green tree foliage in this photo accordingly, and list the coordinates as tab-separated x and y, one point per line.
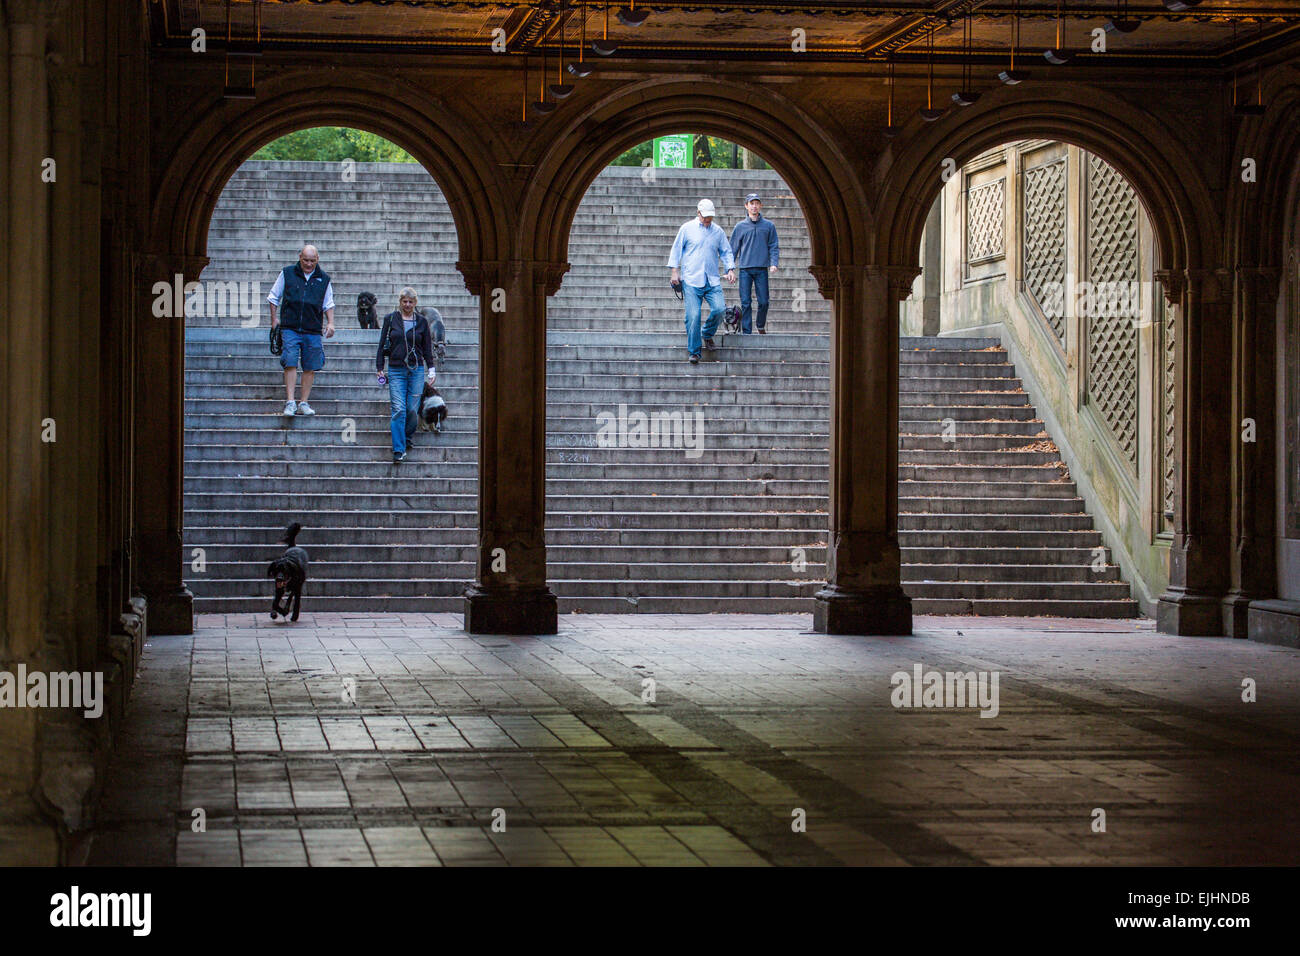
332	144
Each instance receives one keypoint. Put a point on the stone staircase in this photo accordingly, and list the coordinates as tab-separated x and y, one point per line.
989	523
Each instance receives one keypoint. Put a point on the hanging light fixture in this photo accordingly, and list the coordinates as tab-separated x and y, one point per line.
523	96
559	89
1059	55
1121	22
966	96
930	114
890	129
543	105
1012	76
604	46
630	16
580	69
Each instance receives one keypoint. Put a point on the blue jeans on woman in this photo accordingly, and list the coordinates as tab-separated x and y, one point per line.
405	385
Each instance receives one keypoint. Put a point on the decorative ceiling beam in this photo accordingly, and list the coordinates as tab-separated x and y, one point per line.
900	34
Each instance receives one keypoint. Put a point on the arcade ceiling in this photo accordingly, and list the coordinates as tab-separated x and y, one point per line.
1159	34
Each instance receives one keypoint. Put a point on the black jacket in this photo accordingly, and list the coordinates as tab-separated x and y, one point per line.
394	340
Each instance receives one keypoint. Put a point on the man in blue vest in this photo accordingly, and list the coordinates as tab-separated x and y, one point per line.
302	300
757	254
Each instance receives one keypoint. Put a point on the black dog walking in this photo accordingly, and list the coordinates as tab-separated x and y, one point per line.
290	573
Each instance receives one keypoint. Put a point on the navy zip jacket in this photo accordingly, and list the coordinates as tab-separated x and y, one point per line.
302	303
394	339
754	244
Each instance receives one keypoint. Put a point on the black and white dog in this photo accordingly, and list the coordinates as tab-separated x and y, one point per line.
731	317
290	573
433	408
366	315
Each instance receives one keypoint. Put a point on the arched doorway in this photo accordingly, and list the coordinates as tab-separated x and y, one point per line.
1187	241
382	537
198	170
676	487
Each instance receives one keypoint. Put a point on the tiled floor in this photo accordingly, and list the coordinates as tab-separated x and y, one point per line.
400	740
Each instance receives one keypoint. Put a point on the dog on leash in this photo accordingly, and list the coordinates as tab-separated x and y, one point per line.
433	407
290	573
731	317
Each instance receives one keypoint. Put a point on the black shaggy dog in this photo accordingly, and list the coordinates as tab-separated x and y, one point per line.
433	409
290	573
366	310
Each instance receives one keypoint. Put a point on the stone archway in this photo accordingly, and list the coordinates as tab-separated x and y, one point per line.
190	186
1188	237
863	593
1263	232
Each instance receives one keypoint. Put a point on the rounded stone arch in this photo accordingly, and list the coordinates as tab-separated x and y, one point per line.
823	179
223	139
1155	161
1261	217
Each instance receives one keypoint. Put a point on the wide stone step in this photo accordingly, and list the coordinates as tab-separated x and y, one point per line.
702	489
307	501
1010	573
378	449
1019	590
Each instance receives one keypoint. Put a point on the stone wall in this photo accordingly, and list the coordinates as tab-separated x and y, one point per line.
74	209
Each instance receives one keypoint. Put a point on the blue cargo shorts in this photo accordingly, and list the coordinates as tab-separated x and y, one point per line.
313	352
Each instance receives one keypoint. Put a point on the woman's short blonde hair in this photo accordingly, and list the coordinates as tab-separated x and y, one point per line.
407	293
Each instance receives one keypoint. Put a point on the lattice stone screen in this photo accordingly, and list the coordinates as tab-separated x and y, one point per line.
1168	328
985	221
1112	251
1043	241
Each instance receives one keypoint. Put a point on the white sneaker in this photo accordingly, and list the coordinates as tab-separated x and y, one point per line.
305	409
289	407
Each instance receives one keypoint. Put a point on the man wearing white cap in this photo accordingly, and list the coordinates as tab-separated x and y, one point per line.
694	261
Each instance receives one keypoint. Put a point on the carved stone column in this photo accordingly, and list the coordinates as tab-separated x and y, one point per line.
1253	558
160	441
1198	558
510	595
25	359
932	285
863	593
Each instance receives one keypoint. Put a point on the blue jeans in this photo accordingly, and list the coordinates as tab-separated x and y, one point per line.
717	302
405	385
757	278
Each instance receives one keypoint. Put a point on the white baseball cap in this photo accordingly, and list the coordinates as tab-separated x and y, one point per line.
706	208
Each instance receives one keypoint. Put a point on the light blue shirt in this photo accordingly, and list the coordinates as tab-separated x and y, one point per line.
696	251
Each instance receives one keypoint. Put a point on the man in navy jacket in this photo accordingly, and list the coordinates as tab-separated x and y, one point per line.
302	301
757	253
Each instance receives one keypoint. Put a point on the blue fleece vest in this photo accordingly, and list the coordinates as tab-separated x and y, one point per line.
302	301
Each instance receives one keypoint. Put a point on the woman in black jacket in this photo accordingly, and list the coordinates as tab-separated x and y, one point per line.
407	342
